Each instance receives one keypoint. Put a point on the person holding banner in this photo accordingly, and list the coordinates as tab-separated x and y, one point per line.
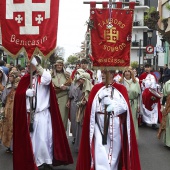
110	144
45	143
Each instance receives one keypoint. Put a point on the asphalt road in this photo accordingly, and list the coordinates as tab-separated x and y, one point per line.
153	154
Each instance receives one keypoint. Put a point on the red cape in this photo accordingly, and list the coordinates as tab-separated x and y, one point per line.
84	156
23	158
143	76
73	73
91	75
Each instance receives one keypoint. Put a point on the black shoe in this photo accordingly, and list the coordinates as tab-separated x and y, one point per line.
143	124
48	167
41	167
155	127
73	142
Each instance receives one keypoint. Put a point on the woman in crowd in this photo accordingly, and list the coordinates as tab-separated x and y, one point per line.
61	81
8	103
135	74
3	81
129	81
164	128
85	86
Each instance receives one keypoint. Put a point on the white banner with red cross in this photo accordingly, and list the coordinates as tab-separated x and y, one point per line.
29	25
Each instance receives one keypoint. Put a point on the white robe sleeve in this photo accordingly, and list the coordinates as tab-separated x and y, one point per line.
120	105
45	78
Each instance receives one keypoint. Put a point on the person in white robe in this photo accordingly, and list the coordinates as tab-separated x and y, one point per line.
111	145
41	136
148	80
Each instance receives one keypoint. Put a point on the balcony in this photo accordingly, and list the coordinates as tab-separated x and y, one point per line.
146	2
136	23
139	24
135	43
137	1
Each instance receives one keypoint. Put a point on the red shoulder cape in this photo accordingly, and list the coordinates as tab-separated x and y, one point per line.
91	75
143	76
73	73
84	156
23	154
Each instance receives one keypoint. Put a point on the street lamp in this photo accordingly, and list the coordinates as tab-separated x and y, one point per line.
150	34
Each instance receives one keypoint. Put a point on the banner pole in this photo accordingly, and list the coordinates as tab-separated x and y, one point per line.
124	3
31	102
106	118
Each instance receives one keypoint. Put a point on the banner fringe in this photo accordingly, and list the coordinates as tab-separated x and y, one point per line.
36	52
109	68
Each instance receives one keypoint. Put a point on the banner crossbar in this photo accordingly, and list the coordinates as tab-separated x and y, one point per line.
125	3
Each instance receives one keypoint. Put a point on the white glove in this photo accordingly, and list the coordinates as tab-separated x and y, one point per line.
30	92
34	61
110	108
105	92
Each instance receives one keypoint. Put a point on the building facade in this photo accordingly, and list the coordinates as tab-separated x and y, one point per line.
164	12
140	38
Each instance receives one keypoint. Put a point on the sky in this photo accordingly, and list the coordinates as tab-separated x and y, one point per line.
72	27
73	15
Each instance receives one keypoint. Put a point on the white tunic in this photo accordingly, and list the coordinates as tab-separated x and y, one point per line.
42	135
107	156
149	81
150	117
117	78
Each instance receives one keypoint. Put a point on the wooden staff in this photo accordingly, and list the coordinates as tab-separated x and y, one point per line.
106	117
31	129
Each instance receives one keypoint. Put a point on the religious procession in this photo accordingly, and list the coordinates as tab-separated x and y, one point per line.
103	113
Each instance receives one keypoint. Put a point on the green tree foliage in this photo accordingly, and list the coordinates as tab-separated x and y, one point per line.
134	64
151	20
72	59
168	6
149	13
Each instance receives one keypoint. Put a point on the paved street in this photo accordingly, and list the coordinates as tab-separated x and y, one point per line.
153	154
